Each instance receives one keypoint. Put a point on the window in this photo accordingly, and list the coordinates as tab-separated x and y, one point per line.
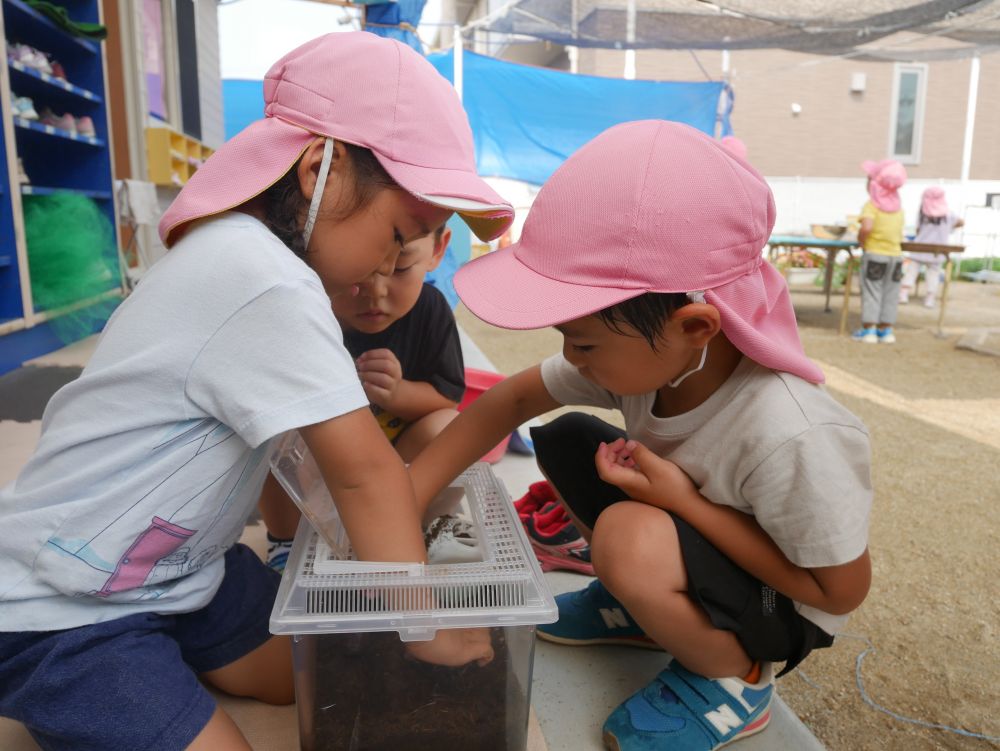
909	90
155	61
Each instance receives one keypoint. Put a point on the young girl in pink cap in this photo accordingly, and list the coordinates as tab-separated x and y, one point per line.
935	223
123	589
728	523
880	236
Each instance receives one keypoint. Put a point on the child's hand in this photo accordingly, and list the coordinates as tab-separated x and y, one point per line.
380	374
454	647
642	474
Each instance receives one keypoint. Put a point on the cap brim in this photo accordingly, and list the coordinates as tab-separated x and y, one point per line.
502	291
483	209
243	167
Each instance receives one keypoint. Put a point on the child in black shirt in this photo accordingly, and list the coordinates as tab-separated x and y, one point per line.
402	333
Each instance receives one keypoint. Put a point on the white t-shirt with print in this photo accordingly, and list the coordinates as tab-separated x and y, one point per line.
766	443
150	463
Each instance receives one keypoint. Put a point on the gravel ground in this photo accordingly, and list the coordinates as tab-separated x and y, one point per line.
933	614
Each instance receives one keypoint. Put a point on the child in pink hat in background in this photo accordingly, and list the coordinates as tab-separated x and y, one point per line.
124	590
935	224
728	523
880	236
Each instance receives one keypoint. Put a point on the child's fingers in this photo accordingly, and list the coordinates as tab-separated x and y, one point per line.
376	378
486	658
376	394
376	353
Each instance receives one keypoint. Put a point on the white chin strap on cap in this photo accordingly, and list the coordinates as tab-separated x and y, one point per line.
693	297
324	169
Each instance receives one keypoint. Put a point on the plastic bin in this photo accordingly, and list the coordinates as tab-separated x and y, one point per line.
355	686
476	383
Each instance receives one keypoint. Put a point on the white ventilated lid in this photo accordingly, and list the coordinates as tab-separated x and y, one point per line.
325	591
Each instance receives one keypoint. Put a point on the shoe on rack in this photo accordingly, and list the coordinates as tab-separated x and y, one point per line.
85	127
593	616
58	71
23	107
885	336
556	541
29	57
683	711
866	335
63	122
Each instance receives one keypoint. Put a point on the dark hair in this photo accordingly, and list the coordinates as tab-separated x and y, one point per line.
645	314
924	219
285	208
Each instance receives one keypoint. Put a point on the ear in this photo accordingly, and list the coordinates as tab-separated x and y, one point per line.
440	246
312	158
698	323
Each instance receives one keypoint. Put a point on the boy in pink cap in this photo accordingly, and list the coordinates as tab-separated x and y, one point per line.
728	523
124	589
935	223
880	236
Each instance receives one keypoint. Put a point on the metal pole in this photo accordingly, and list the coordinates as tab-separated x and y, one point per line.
457	52
574	25
630	38
970	122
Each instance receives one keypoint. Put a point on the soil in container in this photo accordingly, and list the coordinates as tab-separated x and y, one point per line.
371	697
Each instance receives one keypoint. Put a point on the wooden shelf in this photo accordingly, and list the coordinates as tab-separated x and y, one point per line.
173	157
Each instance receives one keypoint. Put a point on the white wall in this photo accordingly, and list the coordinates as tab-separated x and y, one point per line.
213	129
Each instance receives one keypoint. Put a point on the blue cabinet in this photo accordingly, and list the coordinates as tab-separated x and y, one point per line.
54	155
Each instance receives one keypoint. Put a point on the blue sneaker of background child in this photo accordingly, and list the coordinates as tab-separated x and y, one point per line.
594	616
682	711
866	335
885	336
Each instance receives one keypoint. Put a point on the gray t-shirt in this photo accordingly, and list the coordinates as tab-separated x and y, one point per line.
149	463
766	443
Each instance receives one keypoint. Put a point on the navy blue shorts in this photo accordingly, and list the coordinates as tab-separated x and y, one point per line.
132	683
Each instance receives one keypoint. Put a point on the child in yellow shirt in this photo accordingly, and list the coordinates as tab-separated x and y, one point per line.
881	235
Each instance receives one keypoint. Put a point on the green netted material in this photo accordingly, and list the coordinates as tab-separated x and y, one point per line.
72	257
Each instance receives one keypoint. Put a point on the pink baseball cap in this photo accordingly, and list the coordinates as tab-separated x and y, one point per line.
734	146
362	89
886	178
648	206
933	203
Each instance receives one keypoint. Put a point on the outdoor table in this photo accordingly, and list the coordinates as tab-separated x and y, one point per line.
940	250
832	247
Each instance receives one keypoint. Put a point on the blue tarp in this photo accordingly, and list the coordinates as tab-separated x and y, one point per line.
242	103
526	121
384	19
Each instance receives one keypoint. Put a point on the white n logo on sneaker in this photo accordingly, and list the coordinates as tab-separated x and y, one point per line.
614	617
724	719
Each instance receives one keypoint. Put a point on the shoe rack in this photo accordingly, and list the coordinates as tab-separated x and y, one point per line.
55	158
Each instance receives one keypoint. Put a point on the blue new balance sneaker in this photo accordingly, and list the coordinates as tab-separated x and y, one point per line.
594	616
866	335
682	711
